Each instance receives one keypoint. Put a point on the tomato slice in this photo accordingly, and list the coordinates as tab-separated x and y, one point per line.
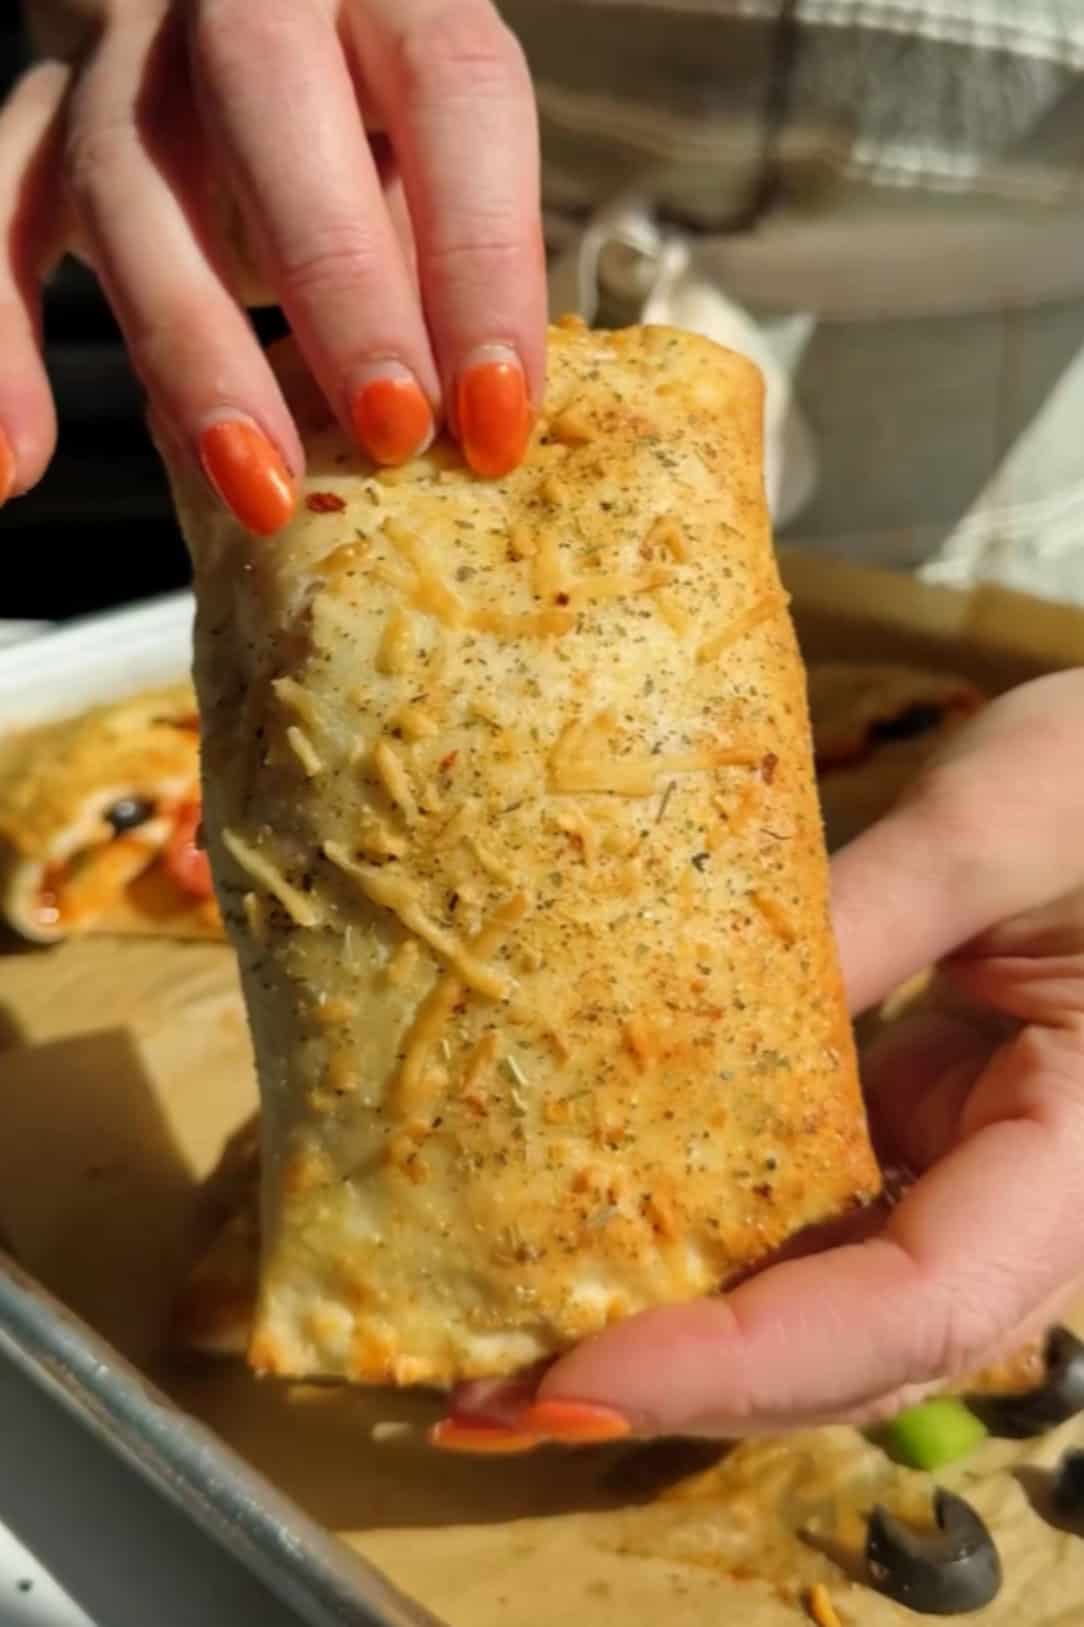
185	862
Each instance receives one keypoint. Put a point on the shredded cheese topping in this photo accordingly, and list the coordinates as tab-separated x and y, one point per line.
547	576
395	779
298	905
377	840
255	917
596	589
775	916
297	698
416	722
741	625
428	591
395	652
571	426
403	963
413	1088
490	863
673	613
552	623
423	1034
304	750
577	763
575	823
821	1608
398	894
521	543
666	533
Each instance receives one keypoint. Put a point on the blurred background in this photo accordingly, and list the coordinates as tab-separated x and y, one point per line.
98	530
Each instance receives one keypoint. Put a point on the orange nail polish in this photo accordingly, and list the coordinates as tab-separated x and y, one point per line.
491	1440
391	418
574	1421
7	468
248	474
494	416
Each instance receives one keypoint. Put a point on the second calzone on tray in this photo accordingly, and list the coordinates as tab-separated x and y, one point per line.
509	799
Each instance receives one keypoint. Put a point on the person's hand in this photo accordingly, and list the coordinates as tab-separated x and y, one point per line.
382	155
981	869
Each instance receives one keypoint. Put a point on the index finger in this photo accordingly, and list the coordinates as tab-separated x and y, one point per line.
453	90
989	832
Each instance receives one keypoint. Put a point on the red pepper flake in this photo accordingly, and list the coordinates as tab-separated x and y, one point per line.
325	502
768	767
448	763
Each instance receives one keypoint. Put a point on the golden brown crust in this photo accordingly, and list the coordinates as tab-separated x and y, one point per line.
510	803
57	782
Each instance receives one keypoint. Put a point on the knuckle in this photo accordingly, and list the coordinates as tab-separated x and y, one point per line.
219	36
967	1328
171	341
330	262
95	153
462	48
481	250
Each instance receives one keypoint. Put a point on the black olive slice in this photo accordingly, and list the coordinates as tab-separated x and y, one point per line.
948	1571
921	718
1060	1396
1067	1490
128	813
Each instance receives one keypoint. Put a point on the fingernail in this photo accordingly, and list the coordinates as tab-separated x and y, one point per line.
248	473
493	411
391	417
579	1422
7	469
455	1435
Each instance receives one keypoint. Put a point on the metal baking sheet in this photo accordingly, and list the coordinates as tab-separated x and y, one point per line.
310	1570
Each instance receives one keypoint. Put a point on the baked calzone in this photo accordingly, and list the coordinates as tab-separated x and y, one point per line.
98	823
509	800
